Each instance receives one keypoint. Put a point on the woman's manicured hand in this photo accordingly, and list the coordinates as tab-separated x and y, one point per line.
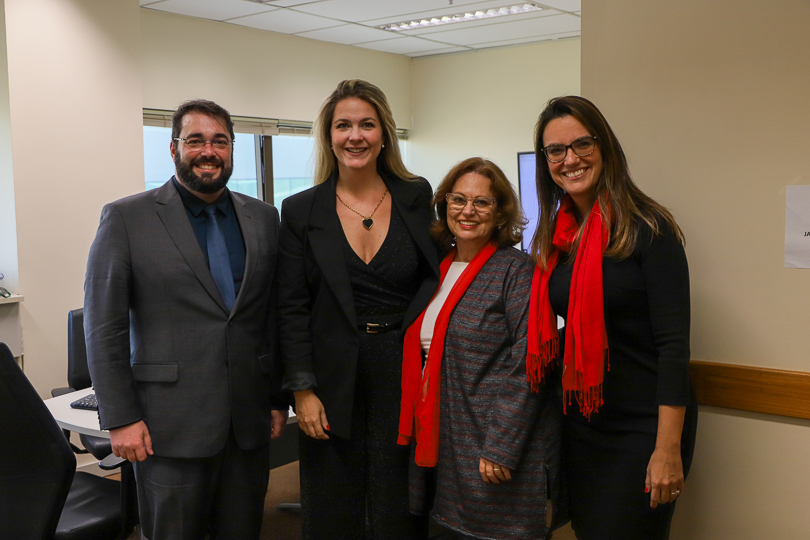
311	414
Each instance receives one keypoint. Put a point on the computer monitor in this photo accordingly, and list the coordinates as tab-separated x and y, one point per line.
528	196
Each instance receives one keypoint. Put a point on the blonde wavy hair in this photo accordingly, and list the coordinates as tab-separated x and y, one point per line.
389	161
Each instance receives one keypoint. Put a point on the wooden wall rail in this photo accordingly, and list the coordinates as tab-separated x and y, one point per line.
772	391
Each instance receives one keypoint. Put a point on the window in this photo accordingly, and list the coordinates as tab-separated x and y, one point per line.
271	159
293	165
159	167
157	161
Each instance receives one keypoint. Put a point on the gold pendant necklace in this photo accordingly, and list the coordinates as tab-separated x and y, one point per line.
368	223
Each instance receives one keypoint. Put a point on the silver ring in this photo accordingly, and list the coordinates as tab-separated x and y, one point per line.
496	469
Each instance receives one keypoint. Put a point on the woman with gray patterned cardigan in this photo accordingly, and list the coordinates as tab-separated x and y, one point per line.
495	445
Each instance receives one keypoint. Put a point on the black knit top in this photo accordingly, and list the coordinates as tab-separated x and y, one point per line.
647	318
384	287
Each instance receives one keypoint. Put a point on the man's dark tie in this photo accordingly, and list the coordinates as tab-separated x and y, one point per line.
218	260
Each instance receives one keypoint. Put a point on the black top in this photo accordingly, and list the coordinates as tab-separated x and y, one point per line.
229	223
318	322
384	287
647	318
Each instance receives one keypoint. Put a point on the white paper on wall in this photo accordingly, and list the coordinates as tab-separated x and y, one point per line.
797	227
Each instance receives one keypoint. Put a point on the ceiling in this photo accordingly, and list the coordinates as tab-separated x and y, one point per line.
356	22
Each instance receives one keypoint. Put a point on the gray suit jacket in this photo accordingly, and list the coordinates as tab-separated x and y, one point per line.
161	346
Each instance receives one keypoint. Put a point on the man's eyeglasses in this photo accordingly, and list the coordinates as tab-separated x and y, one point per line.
457	202
584	146
195	143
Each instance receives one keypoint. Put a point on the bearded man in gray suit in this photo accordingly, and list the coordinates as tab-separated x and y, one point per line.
179	320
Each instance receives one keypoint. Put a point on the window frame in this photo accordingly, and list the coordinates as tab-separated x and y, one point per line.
263	129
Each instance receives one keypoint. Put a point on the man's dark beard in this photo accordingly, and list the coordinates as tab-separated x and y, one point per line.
204	183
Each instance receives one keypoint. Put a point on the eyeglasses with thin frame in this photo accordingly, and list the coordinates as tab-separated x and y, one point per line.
458	201
582	147
197	143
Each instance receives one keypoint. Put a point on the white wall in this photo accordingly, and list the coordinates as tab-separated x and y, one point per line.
485	103
75	103
709	100
456	106
258	73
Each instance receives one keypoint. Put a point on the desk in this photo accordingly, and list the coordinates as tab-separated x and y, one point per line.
78	420
283	450
84	421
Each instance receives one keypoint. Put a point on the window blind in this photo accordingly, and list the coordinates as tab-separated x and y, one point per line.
247	124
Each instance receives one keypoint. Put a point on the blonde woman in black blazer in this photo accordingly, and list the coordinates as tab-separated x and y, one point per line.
356	266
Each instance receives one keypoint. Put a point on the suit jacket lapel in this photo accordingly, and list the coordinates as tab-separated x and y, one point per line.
172	213
327	246
406	198
248	226
416	213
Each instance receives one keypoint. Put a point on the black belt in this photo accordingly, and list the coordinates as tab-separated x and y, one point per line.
377	328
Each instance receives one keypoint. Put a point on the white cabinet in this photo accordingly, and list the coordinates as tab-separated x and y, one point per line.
10	329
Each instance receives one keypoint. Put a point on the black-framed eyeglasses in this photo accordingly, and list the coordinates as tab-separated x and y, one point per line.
457	202
582	147
196	143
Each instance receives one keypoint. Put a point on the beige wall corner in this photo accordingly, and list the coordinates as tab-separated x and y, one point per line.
486	103
696	91
258	73
709	100
75	103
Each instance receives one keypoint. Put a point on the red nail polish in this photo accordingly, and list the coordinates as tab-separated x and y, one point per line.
646	489
328	428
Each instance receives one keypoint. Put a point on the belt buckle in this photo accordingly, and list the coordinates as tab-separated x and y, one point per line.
373	328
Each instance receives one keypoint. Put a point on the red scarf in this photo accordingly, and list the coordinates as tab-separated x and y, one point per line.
586	343
419	412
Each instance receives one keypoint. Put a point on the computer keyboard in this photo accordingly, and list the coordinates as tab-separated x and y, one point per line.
89	402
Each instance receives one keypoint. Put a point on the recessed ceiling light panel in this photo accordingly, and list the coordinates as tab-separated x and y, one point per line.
462	17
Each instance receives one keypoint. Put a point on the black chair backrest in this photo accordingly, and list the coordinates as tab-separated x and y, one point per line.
36	463
78	373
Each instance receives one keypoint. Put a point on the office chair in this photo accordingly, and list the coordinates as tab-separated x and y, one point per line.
79	378
41	494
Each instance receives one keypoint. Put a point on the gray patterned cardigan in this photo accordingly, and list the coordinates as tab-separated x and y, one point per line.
487	410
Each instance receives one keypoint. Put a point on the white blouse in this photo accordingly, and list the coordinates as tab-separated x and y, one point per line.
435	306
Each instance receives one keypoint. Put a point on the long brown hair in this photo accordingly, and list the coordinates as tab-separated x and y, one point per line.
389	161
619	197
509	220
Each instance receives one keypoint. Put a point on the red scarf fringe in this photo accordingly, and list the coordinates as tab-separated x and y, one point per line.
586	346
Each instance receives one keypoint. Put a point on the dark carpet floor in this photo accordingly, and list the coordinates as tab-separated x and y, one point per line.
283	525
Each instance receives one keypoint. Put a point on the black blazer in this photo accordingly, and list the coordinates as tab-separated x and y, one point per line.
317	324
